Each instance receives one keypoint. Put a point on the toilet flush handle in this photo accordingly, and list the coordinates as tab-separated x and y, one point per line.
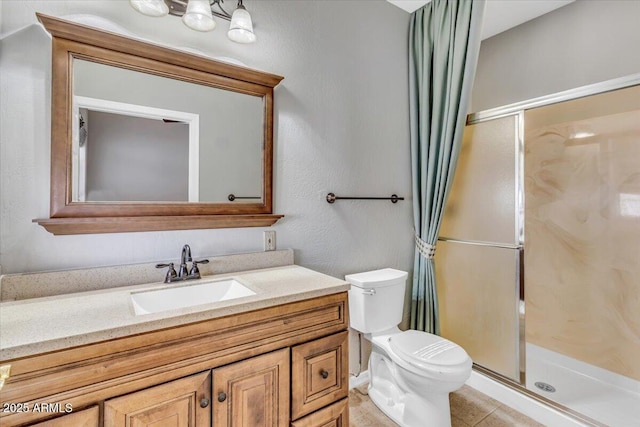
369	292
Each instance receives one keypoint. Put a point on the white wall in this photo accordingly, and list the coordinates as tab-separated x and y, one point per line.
585	42
341	125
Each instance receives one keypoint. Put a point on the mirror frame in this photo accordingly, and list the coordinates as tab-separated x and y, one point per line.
75	41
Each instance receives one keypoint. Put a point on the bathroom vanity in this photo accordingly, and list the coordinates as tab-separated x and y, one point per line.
275	358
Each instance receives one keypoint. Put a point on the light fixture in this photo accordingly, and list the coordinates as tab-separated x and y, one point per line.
198	15
241	27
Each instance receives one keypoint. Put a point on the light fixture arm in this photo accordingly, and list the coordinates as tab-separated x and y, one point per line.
223	13
179	7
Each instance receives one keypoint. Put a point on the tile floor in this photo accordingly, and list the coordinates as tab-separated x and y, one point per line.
469	408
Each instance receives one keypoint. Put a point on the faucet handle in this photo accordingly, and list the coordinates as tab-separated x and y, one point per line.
171	273
195	272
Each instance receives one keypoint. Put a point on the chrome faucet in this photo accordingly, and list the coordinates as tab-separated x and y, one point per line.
186	256
183	272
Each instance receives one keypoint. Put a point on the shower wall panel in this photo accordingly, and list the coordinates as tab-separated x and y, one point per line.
582	229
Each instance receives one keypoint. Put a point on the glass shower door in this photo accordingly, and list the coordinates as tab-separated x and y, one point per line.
478	262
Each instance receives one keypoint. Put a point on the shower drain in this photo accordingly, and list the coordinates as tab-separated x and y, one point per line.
545	387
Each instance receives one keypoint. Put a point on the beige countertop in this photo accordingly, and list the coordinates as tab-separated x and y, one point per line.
40	325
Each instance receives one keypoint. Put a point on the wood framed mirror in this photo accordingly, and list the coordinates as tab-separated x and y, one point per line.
147	138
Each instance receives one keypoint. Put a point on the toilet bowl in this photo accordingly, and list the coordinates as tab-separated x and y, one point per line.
411	372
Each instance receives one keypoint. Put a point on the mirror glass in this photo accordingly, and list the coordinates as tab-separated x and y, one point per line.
144	137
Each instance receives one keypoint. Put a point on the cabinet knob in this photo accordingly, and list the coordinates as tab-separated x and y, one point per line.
324	374
204	402
222	396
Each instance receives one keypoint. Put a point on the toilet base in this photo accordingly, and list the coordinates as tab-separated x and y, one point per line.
403	411
392	409
405	408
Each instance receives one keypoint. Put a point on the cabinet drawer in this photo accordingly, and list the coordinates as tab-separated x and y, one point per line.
320	373
336	415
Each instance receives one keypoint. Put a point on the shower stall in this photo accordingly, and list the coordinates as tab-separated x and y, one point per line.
538	265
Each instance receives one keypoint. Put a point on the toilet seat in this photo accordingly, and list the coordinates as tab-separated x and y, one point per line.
428	355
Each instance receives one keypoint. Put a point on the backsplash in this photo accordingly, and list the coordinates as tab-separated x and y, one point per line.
42	284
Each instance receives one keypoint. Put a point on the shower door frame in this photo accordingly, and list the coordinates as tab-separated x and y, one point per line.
518	109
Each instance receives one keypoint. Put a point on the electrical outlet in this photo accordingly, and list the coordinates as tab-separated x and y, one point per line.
270	240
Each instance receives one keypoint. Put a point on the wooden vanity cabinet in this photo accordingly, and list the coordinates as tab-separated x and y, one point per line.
274	367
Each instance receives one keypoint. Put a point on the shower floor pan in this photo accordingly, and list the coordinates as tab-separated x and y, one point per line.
604	396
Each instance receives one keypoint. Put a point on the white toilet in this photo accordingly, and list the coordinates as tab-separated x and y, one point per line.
411	372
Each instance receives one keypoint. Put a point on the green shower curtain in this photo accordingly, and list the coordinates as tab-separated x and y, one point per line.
444	41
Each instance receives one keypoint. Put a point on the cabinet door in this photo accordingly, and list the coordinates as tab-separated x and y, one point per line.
179	403
253	392
336	415
86	418
320	373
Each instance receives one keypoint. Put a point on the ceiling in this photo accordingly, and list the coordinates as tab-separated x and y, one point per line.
500	15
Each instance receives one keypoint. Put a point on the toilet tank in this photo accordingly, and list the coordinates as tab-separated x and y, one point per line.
376	299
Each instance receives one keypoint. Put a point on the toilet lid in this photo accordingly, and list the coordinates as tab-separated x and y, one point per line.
422	349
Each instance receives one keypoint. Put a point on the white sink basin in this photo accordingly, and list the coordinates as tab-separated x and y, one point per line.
187	294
